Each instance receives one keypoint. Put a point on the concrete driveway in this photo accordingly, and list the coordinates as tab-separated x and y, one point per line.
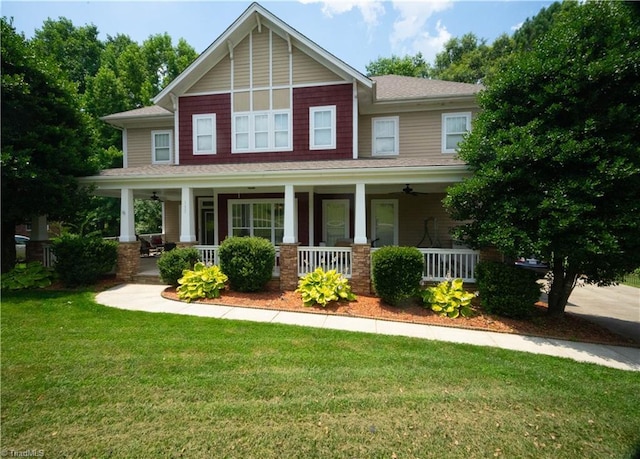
616	308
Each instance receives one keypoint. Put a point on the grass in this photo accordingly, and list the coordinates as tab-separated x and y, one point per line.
632	279
83	380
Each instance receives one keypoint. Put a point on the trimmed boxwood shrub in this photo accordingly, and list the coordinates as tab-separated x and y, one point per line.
248	262
507	290
81	260
172	263
396	273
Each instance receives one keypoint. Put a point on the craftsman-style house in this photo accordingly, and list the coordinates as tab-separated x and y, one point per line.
268	134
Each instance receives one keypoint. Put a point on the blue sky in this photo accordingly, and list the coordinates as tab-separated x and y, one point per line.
357	32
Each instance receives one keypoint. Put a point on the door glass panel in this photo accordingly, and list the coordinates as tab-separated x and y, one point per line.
336	221
384	223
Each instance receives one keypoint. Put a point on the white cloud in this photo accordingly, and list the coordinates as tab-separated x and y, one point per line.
517	26
371	10
410	32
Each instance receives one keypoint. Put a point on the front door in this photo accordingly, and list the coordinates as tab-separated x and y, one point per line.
384	222
335	221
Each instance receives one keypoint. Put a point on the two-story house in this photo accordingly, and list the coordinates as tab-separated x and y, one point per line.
268	134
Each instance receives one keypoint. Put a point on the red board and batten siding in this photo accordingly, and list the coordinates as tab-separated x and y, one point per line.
303	98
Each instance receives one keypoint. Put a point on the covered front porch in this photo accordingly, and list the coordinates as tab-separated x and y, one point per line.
331	217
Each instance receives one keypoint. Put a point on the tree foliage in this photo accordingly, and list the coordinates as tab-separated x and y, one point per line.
46	142
555	151
412	66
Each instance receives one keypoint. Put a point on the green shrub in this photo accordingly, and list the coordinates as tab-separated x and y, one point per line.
81	260
448	298
201	282
507	290
172	263
27	276
248	261
321	287
396	273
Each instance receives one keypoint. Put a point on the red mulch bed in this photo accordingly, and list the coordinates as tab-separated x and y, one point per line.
569	327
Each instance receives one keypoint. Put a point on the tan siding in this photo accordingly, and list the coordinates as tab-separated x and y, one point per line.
241	64
280	61
215	80
414	211
139	147
420	134
172	221
241	101
260	58
281	99
261	100
307	70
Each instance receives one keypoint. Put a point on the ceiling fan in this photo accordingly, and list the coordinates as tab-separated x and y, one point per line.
155	197
408	190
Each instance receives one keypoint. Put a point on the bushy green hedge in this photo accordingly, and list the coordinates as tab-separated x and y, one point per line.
507	290
396	273
172	263
81	260
248	262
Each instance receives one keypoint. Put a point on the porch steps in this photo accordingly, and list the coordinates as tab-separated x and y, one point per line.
148	279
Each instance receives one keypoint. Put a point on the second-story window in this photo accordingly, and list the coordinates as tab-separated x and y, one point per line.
204	134
454	127
322	128
386	137
262	131
161	147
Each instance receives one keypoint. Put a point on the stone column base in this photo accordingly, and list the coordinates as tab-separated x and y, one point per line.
361	269
128	260
288	267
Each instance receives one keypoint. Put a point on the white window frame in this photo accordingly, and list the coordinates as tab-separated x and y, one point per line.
347	224
271	144
233	202
445	116
374	226
154	159
374	136
194	120
312	128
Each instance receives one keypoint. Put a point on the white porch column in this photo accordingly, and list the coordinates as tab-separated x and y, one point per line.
187	219
39	228
289	236
127	216
360	230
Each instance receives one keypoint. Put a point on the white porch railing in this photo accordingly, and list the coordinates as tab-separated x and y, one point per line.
48	258
210	255
327	258
441	264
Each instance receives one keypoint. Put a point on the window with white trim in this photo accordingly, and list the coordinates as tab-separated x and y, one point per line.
262	131
385	136
322	128
204	134
454	127
262	218
161	150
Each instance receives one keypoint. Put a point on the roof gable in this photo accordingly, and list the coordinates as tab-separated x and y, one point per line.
254	16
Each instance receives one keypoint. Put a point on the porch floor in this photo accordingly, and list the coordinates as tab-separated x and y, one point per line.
148	272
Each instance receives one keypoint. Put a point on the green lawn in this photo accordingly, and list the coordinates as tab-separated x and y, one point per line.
82	380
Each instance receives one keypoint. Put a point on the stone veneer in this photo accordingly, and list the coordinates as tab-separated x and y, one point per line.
361	269
288	267
128	260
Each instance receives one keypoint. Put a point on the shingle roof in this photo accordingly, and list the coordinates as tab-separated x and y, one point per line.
396	87
282	166
143	112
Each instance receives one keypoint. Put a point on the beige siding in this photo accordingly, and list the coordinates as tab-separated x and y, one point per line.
280	61
260	53
261	100
307	70
281	99
241	101
241	67
172	221
139	147
215	80
420	134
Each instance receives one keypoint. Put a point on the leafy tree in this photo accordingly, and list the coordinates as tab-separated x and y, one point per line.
46	142
76	50
148	216
555	152
413	66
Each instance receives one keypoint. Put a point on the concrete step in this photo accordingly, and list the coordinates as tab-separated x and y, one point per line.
148	279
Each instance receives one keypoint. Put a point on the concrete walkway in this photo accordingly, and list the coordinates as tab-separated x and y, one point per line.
147	298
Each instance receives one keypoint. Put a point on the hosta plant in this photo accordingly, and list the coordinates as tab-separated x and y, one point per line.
448	298
201	282
27	276
321	287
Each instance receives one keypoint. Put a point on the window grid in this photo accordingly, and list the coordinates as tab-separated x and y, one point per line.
322	128
262	131
385	136
204	134
161	147
454	127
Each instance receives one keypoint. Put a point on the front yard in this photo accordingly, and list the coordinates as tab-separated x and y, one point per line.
83	380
